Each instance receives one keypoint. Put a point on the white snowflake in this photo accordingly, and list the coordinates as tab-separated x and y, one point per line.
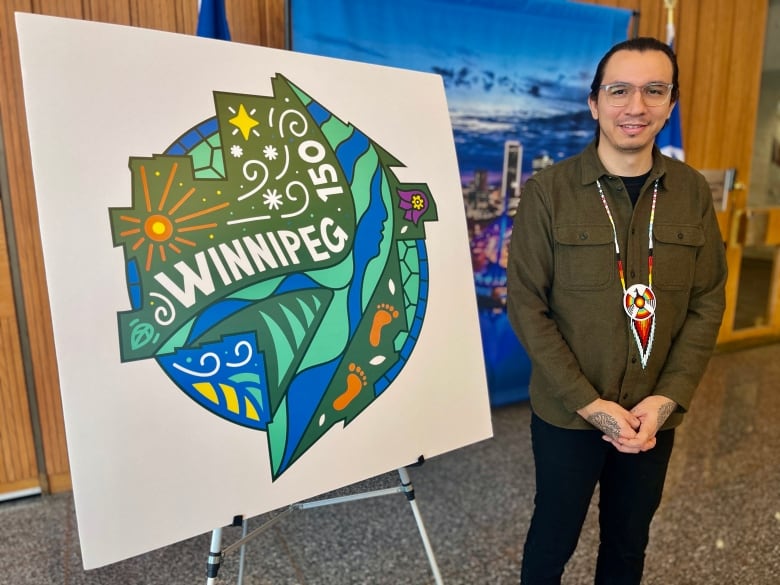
270	152
236	151
272	199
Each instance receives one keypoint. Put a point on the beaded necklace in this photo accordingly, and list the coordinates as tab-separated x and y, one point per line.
638	299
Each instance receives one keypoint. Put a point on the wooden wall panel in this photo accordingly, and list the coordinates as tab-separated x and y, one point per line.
102	11
65	8
260	22
244	20
273	20
742	87
25	225
710	74
652	18
156	15
18	462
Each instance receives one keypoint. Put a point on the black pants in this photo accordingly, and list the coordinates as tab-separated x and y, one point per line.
569	463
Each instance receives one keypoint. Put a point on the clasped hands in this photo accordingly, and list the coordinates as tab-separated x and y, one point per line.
629	431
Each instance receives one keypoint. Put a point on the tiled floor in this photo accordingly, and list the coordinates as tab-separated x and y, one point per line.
719	523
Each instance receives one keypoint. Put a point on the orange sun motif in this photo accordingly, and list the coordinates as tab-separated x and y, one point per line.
160	229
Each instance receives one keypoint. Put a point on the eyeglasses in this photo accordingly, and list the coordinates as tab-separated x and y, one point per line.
653	94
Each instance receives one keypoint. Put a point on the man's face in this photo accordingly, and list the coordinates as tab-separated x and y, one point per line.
632	128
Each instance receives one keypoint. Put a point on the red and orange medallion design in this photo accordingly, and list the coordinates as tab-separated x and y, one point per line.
639	304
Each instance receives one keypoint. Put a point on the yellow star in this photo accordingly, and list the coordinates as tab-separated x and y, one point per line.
244	122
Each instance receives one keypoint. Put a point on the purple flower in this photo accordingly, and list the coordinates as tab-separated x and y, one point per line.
415	203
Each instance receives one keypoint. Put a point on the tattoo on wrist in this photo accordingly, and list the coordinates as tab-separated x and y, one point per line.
665	411
605	423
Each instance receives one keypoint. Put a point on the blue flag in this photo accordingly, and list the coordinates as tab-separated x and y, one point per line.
212	20
669	139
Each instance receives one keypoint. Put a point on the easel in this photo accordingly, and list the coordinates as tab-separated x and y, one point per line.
217	553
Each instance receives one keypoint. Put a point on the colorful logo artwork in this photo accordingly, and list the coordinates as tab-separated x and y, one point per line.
276	267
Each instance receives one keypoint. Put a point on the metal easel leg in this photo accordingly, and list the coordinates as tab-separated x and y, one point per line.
408	489
215	556
242	553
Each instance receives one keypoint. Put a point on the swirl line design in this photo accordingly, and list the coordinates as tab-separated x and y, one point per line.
161	312
203	358
294	124
241	344
287	193
251	175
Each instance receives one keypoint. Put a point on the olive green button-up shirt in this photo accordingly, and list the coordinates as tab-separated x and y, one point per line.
565	298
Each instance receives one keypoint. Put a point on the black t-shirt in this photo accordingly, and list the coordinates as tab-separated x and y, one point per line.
634	186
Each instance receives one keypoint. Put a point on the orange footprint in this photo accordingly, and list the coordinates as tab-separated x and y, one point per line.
356	380
384	315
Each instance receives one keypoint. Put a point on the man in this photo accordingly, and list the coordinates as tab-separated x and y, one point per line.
616	290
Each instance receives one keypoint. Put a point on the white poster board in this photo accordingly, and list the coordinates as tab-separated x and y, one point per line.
258	270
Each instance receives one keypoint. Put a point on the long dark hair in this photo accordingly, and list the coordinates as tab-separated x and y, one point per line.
640	44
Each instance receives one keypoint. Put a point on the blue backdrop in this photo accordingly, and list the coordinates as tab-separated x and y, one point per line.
516	75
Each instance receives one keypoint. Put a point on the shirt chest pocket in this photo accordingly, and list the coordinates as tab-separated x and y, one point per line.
674	255
584	256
